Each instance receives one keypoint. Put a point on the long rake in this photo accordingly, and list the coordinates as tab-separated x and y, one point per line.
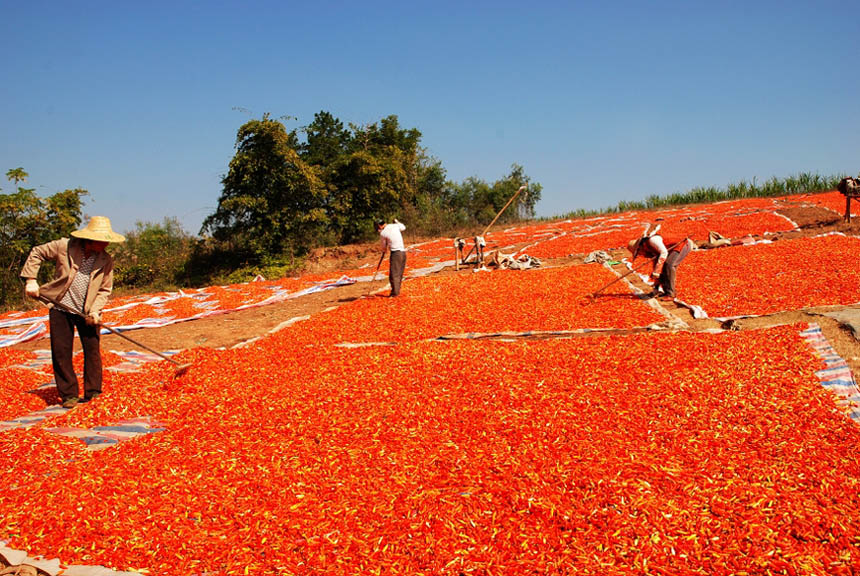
180	368
594	294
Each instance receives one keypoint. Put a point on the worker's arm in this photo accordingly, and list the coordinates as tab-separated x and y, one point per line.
657	243
30	271
39	254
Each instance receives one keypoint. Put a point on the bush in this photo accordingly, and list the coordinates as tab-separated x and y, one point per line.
153	256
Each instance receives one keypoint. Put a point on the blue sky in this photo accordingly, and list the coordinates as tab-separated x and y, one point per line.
139	102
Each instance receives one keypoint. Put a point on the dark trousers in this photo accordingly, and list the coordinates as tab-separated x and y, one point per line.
670	267
62	325
397	264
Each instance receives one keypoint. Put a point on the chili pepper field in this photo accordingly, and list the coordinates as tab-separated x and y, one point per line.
490	422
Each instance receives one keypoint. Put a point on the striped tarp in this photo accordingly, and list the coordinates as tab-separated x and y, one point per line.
836	376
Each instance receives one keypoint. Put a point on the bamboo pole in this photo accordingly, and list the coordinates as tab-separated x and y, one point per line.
520	189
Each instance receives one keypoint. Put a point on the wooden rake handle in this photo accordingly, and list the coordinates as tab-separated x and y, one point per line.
64	308
634	269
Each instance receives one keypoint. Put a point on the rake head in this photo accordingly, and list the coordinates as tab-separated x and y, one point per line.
181	369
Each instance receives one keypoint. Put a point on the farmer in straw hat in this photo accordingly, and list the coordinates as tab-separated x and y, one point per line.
666	260
83	280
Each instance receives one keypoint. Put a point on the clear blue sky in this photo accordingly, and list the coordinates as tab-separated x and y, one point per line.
139	102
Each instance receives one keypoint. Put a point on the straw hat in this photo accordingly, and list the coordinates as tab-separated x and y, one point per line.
99	230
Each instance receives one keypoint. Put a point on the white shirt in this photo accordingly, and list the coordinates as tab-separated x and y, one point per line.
391	237
656	242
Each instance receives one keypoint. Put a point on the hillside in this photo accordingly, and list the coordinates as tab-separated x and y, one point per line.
548	421
232	329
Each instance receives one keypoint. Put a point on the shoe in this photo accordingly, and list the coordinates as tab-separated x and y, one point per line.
70	402
87	398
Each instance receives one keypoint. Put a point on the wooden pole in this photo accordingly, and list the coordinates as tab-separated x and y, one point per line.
520	189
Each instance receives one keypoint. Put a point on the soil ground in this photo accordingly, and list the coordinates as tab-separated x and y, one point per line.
233	328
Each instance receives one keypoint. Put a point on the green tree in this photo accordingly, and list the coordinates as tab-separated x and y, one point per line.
17	175
64	211
429	212
153	255
26	221
386	134
476	202
476	199
327	140
365	187
272	203
524	205
378	177
401	145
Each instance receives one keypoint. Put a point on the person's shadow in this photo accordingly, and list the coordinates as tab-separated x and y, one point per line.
47	393
627	296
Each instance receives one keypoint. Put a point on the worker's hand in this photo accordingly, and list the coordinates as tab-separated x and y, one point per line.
396	221
655	275
93	319
32	288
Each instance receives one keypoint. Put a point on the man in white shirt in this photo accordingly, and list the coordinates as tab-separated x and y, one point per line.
392	241
666	260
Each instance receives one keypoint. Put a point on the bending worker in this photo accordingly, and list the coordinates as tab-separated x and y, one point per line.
392	241
83	280
666	259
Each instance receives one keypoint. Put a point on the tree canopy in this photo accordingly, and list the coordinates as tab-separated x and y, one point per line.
27	220
284	194
272	200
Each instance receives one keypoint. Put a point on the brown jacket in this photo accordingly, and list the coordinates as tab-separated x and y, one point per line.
67	254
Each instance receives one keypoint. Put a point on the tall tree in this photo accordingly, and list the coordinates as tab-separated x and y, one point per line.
327	140
26	221
524	205
386	134
475	201
17	175
377	178
63	211
429	212
475	197
365	187
272	202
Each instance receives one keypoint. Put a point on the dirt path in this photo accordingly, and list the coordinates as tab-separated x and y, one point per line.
233	328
